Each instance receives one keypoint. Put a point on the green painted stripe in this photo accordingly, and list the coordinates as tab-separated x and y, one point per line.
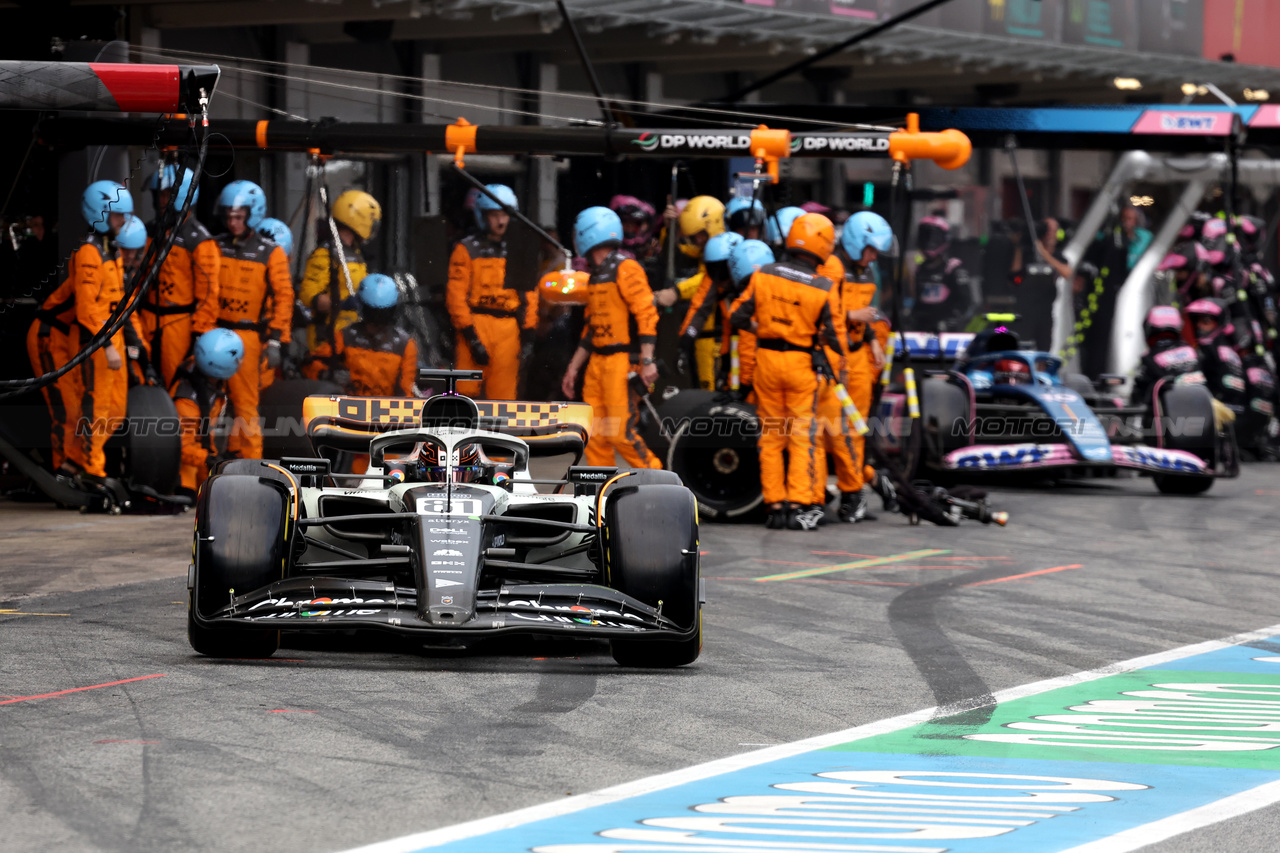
1169	717
860	564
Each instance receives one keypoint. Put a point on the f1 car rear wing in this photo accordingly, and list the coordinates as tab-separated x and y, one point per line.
347	423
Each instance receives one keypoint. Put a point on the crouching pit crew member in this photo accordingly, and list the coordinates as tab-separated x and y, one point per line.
199	394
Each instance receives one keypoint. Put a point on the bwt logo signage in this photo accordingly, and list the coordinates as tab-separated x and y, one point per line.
1192	122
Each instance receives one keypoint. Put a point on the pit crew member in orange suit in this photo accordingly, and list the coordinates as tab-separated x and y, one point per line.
744	260
277	232
374	357
864	237
199	394
705	319
97	390
496	323
787	306
356	216
620	316
182	303
255	299
132	242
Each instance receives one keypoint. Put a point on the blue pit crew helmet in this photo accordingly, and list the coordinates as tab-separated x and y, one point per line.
777	226
596	227
719	247
167	177
219	353
485	204
245	194
865	229
102	198
133	234
742	213
277	232
378	291
747	257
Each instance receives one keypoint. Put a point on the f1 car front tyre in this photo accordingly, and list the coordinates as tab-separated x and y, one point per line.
1188	414
241	545
652	546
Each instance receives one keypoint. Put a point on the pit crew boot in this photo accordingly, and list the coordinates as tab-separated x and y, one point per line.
853	507
888	494
777	519
803	518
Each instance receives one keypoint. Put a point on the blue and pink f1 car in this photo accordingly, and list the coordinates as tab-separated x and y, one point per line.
998	408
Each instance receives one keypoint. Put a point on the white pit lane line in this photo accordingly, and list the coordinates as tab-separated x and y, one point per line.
1129	839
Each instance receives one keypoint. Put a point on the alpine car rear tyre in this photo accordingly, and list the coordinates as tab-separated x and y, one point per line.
651	542
1185	407
241	545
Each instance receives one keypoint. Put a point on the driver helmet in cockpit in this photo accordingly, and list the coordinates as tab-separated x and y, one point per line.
469	464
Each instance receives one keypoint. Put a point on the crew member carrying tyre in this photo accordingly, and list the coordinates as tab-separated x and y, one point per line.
496	322
620	316
199	392
255	300
864	237
787	306
183	302
374	357
325	288
708	310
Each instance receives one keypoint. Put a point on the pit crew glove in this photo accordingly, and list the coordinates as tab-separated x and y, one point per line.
273	354
478	352
821	366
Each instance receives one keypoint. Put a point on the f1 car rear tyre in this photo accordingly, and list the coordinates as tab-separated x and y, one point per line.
241	546
1188	414
714	451
651	539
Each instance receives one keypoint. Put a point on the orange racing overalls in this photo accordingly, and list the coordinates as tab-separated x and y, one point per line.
789	305
255	299
183	301
619	316
503	318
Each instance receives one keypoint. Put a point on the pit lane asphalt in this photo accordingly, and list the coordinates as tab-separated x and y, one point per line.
325	748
